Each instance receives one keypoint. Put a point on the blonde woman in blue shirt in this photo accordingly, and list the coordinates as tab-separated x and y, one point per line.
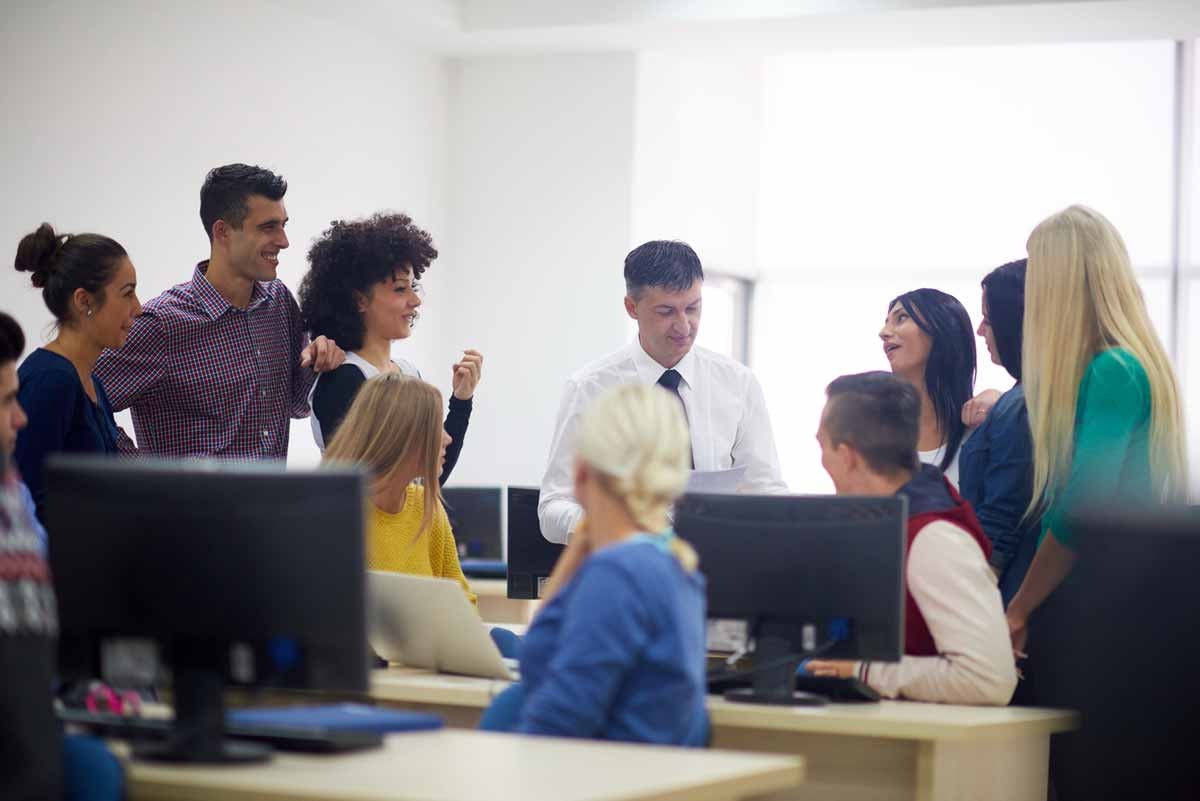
617	648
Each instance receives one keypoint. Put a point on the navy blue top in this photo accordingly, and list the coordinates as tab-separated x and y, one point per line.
62	418
995	475
618	653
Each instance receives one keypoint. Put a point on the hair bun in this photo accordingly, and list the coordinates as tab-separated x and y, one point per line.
36	253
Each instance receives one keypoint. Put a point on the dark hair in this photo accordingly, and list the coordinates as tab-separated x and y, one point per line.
12	339
670	265
879	415
347	260
1005	291
225	190
62	263
950	370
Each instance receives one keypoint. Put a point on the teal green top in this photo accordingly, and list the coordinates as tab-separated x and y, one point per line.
1111	462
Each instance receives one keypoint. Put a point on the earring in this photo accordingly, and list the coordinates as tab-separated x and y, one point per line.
89	312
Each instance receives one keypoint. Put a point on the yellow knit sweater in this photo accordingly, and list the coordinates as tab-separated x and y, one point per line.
393	545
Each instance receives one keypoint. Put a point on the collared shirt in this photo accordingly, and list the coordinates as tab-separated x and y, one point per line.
726	412
205	378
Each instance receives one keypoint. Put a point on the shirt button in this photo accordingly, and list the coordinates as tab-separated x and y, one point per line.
266	433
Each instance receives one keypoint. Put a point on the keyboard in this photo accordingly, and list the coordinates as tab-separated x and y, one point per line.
835	689
312	739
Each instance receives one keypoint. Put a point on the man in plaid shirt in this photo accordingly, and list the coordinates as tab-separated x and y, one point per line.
217	365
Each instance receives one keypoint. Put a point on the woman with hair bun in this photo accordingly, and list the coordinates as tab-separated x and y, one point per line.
90	286
616	651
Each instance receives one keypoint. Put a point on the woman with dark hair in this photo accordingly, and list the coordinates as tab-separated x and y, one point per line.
363	291
928	341
996	471
90	287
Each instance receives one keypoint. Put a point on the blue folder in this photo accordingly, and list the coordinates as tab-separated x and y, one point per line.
484	568
337	717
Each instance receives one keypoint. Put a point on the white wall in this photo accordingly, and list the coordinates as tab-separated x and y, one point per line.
539	201
114	112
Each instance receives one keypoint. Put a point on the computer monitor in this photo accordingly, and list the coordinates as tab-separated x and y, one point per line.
477	521
1124	650
531	556
226	574
819	575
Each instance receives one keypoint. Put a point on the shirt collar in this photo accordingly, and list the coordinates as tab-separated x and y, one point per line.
649	371
213	302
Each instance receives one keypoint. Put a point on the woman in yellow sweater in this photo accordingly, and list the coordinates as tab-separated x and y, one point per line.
394	429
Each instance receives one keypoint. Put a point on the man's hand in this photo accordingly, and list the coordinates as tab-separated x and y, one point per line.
837	668
976	409
467	374
322	355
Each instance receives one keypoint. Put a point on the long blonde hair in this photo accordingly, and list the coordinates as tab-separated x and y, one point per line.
394	419
1081	297
636	438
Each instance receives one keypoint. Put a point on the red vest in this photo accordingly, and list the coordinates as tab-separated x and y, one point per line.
917	639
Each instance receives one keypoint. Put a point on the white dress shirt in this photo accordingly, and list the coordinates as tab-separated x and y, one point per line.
956	591
727	419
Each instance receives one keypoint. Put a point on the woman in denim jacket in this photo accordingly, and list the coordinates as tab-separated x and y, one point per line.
996	462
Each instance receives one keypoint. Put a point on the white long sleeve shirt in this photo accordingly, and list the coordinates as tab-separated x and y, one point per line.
726	412
956	591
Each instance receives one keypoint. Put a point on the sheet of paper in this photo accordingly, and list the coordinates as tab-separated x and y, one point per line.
716	482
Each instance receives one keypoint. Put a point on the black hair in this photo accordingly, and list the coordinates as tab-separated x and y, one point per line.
347	260
1005	291
226	189
12	339
879	415
950	370
62	263
669	265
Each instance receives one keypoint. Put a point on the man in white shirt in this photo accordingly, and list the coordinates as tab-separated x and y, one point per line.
956	643
723	402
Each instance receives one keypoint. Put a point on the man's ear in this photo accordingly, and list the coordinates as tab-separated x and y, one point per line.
631	307
220	231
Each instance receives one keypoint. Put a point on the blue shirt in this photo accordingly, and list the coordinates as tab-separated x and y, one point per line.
62	418
995	474
619	652
35	525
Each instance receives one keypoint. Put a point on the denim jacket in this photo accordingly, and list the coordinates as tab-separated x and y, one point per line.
996	477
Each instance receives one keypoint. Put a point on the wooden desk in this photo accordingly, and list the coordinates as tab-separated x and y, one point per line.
891	750
494	604
453	765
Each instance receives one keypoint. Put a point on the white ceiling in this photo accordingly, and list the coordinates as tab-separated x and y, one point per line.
469	27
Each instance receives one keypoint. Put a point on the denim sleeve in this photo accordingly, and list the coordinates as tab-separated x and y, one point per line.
604	630
1007	483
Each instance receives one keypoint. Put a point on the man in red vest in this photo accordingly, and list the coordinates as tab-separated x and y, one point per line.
956	644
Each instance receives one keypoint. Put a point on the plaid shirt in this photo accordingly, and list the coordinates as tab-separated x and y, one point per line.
205	378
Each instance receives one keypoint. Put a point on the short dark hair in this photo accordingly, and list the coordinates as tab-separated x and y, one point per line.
950	370
669	265
1005	291
62	263
226	189
348	259
879	415
12	339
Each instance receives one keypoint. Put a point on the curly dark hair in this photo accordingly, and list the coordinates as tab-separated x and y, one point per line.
347	260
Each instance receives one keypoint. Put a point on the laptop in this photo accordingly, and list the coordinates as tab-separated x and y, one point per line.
428	623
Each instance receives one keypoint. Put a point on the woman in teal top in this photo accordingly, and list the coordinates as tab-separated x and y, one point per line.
1106	425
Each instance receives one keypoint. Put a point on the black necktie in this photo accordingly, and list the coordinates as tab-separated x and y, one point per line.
669	381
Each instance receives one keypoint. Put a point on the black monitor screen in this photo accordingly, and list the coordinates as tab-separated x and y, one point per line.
831	565
238	559
475	518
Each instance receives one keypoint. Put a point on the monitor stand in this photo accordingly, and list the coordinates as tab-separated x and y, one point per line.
773	676
197	735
